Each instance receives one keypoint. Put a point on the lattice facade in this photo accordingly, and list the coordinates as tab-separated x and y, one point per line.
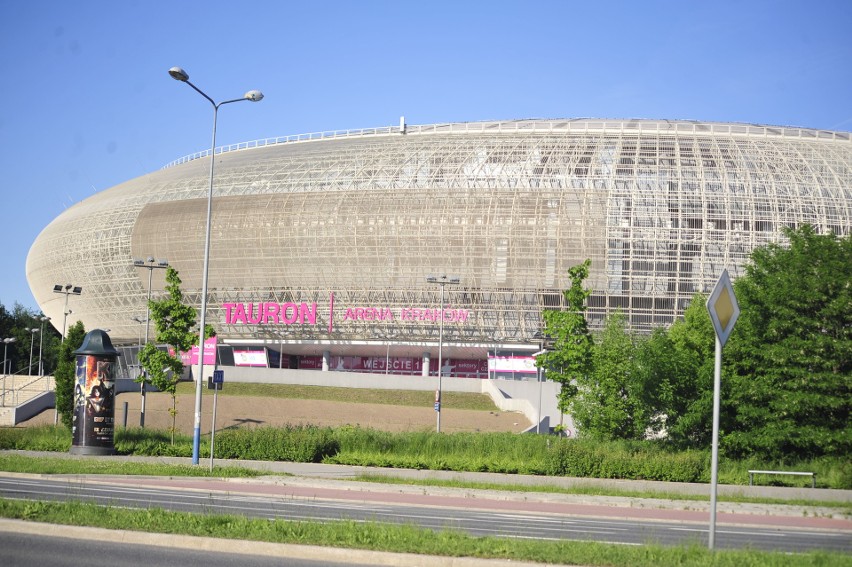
359	219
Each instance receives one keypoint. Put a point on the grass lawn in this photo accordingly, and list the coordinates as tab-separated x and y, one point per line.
414	398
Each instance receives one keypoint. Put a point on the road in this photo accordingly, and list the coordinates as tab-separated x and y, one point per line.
481	515
38	550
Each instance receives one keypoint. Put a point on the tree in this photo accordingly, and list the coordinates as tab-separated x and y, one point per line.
570	361
659	380
790	355
688	401
65	374
609	404
174	322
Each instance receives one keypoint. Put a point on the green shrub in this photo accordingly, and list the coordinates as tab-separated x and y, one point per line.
623	460
42	438
152	443
299	443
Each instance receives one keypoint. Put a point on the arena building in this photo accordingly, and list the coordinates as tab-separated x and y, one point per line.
322	243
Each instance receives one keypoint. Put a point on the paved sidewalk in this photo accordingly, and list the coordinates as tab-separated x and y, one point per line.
341	477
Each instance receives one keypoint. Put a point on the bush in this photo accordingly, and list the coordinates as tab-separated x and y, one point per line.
152	443
42	438
623	460
301	443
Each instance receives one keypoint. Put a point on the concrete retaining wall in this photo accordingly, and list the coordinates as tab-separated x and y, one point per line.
508	395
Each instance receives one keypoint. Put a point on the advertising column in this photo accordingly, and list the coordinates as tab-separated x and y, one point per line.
93	423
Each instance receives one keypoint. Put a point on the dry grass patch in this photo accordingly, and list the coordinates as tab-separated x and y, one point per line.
414	398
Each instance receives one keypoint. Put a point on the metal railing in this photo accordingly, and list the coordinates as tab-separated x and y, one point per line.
12	393
544	126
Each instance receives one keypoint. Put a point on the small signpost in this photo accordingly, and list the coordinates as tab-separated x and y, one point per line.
724	311
214	383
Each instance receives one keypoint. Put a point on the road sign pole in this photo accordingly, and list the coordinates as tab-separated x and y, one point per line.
215	383
724	311
714	466
213	428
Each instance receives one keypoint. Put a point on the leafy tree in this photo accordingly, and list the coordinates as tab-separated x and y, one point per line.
174	322
790	355
660	380
570	361
609	404
65	374
688	401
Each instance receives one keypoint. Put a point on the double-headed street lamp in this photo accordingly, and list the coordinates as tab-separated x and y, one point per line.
441	281
32	342
6	363
254	96
151	265
67	289
6	352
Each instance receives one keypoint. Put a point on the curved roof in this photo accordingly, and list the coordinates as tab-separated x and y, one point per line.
540	125
659	206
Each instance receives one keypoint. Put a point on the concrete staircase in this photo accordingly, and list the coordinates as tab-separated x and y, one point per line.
22	395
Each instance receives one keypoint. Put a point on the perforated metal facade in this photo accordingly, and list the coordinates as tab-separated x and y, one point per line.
351	220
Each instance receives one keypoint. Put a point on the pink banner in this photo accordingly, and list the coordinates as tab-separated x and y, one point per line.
191	357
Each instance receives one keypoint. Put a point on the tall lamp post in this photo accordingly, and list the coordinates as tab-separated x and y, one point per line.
151	265
32	342
43	319
67	289
6	363
441	281
254	96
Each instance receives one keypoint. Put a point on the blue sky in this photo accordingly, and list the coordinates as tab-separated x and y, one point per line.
86	101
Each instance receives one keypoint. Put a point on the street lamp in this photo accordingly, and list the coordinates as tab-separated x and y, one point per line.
151	265
32	342
6	363
441	281
254	96
139	320
43	319
67	289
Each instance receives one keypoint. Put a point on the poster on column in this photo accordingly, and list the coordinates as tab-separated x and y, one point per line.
94	403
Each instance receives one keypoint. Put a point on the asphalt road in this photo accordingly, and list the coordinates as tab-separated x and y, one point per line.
480	515
38	550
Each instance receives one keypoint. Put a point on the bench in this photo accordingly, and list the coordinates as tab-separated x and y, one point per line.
810	474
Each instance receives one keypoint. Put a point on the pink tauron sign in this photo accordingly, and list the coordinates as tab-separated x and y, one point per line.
306	314
270	313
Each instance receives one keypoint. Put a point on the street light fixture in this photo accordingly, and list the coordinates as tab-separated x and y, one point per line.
32	342
6	363
441	281
151	265
43	319
254	96
67	289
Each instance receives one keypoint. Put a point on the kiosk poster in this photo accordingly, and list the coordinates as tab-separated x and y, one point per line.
94	403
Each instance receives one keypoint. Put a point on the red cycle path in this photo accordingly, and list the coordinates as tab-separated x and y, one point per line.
533	502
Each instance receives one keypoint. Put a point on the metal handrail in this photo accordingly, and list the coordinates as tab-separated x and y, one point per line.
535	125
15	390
